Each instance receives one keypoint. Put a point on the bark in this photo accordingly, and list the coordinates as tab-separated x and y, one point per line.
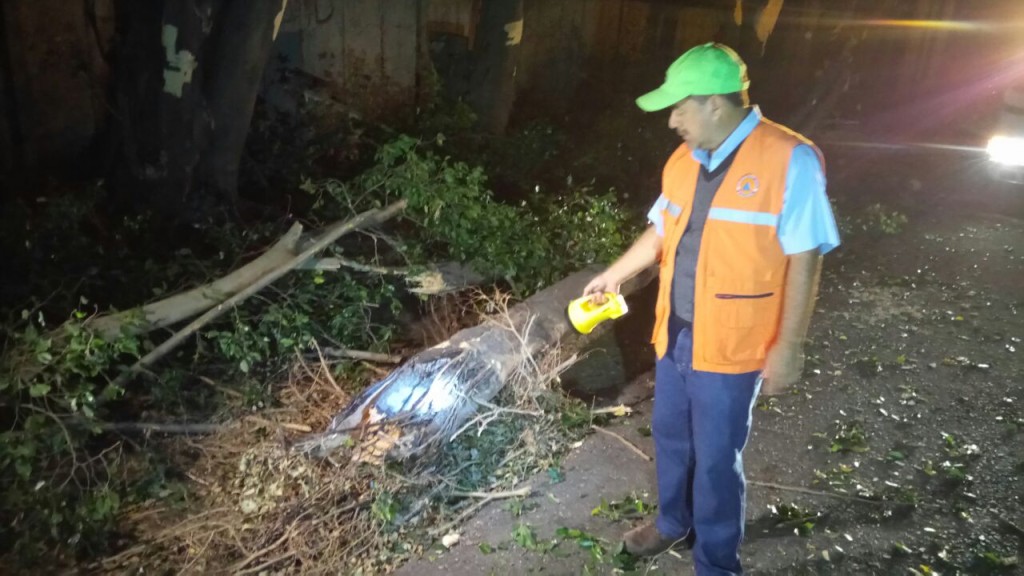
497	53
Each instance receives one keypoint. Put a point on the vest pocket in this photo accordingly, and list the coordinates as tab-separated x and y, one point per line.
742	320
744	306
722	296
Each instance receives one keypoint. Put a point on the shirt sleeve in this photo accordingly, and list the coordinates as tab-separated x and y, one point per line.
654	215
806	221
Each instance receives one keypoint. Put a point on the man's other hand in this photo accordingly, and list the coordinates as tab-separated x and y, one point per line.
782	368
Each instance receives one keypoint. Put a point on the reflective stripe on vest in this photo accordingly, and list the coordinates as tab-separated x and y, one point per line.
663	204
741	268
744	216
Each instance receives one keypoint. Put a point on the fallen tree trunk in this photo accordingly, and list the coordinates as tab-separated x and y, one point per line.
421	404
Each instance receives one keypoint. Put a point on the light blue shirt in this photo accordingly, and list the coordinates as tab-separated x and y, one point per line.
806	221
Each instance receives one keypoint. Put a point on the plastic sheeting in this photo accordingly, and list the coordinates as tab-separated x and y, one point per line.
426	400
429	396
435	392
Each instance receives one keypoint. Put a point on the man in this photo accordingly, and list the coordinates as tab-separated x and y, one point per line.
739	230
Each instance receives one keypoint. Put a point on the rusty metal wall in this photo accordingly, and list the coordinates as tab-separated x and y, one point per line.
366	48
371	46
373	51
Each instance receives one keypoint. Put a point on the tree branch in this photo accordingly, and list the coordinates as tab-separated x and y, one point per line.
620	438
331	234
435	279
187	304
361	355
161	428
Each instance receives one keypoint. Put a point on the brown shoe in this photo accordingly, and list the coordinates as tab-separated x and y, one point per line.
647	541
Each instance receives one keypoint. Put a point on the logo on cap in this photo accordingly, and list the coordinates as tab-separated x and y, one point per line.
748	186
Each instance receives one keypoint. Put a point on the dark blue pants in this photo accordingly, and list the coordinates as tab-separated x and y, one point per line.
700	425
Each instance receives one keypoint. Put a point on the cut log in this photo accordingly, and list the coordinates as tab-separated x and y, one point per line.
420	404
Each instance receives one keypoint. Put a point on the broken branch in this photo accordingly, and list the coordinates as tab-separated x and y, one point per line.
160	428
631	446
521	493
367	218
361	355
433	280
187	304
484	499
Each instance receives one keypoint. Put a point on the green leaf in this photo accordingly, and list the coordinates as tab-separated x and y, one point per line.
524	536
806	529
486	548
23	468
555	474
39	390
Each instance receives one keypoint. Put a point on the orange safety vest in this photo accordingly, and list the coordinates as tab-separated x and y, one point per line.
741	268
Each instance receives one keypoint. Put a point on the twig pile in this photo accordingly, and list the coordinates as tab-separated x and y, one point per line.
260	507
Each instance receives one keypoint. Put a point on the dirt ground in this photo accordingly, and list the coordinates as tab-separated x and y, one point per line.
901	452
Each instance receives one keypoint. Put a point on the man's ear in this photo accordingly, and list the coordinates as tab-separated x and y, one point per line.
716	104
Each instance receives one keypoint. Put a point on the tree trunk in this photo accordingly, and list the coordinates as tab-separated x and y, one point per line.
187	76
497	53
163	123
240	47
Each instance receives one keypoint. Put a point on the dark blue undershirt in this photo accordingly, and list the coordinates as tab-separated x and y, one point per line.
685	275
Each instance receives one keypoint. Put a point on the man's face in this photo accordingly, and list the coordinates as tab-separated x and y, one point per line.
693	121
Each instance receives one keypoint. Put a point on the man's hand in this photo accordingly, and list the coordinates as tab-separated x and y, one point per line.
782	367
601	284
640	255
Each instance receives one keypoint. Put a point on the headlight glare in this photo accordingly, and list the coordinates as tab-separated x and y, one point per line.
1006	150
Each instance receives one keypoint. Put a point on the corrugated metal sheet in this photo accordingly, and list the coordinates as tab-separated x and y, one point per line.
372	46
368	48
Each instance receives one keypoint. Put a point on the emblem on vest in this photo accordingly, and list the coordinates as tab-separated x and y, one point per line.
748	186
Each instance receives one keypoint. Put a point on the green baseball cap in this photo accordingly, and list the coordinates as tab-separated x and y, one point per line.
702	71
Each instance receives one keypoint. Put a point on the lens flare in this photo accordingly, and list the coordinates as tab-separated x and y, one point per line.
1006	150
963	26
